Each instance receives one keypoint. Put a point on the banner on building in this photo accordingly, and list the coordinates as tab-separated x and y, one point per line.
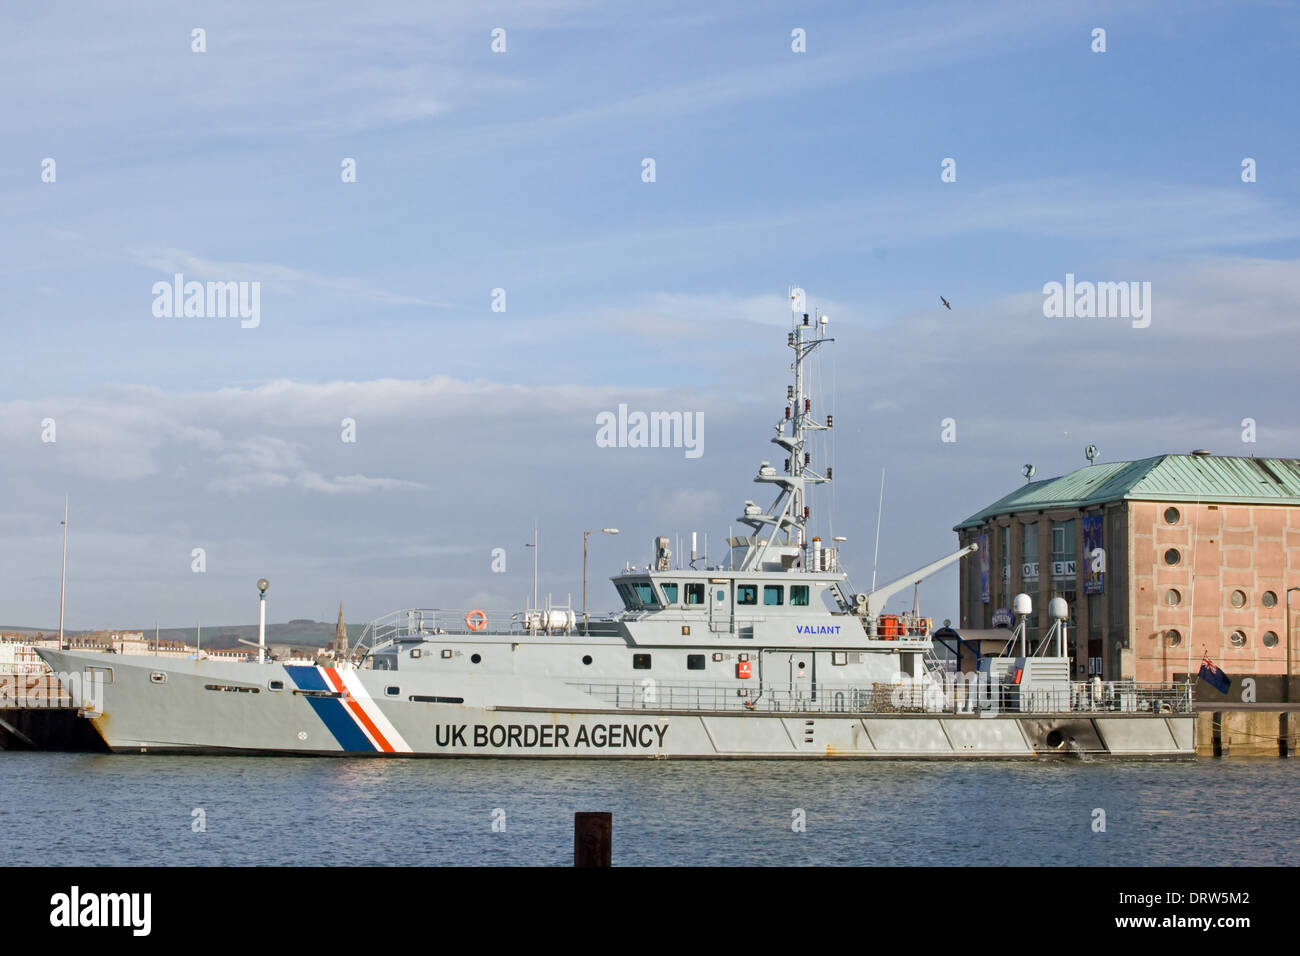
1094	556
984	569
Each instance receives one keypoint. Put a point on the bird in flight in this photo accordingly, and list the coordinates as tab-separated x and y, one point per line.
945	303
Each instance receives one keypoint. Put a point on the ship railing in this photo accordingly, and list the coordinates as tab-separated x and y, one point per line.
917	697
414	624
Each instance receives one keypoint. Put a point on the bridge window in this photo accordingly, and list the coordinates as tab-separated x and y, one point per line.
798	595
747	594
670	593
644	593
695	592
695	662
772	596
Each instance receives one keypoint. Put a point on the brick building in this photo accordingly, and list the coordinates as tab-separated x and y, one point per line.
1161	561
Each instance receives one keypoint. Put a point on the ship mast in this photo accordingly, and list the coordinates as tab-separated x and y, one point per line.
789	514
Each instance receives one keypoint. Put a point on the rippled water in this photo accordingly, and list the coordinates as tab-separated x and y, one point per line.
82	809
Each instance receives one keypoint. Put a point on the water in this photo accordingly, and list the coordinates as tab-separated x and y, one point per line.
83	809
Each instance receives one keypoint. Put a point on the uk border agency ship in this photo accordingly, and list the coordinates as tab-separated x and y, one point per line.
766	655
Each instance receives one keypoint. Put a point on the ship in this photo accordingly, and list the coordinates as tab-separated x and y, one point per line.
766	654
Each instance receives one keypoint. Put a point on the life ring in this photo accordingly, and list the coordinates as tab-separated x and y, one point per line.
476	620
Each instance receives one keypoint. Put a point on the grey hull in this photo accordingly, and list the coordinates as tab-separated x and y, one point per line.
155	705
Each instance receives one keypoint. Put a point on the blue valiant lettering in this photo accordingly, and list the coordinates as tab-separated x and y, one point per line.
817	628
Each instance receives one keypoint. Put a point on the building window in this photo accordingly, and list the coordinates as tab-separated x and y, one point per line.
1172	556
1238	598
1270	639
1173	597
746	593
1171	516
1173	638
1238	638
641	662
670	593
695	592
1063	564
1269	599
1029	554
695	662
772	595
798	595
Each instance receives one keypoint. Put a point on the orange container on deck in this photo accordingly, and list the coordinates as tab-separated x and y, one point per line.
889	627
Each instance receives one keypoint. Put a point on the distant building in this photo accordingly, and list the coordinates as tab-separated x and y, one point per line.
338	647
1161	561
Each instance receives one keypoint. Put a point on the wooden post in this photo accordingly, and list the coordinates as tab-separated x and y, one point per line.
1218	738
592	839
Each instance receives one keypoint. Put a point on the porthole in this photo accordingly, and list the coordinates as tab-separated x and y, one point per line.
1270	639
1171	516
1269	599
1238	638
586	658
1238	598
802	665
475	658
1173	597
1172	556
392	691
1173	638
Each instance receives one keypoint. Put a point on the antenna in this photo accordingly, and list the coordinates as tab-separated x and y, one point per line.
63	575
880	510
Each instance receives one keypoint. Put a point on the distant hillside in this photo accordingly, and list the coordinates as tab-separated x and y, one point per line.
301	632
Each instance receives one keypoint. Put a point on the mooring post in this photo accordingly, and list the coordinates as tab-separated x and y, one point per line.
1218	738
592	839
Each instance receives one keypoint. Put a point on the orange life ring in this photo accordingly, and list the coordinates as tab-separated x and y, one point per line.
476	620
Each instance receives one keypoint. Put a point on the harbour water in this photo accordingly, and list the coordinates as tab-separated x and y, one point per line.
92	810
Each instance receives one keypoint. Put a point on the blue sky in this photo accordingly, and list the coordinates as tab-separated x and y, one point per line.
522	171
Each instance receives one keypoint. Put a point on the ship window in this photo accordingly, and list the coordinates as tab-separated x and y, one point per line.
799	595
670	593
392	691
628	596
277	685
475	658
695	662
772	596
747	594
586	658
695	592
644	593
641	662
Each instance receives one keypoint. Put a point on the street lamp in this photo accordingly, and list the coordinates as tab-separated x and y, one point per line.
262	585
1286	684
585	536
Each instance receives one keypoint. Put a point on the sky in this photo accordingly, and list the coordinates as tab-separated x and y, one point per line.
199	454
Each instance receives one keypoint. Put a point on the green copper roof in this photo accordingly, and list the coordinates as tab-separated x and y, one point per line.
1215	478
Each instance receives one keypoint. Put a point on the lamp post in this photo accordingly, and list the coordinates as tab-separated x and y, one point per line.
585	536
262	585
534	547
1286	683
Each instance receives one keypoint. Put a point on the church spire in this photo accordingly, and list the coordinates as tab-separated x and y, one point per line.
340	643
